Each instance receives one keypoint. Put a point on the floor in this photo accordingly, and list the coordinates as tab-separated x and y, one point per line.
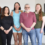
30	44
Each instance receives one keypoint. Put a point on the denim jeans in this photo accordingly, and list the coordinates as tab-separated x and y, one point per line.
31	35
38	36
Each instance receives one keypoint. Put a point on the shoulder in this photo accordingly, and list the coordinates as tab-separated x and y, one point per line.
22	13
12	13
43	13
43	18
32	13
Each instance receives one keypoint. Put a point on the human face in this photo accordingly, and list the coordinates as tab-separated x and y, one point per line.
38	8
6	10
27	8
17	6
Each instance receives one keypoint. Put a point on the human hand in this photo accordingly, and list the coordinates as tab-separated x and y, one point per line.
41	31
28	29
2	28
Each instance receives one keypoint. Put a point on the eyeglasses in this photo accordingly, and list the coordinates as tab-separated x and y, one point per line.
27	7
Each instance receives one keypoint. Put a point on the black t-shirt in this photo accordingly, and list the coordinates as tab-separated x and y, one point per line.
6	22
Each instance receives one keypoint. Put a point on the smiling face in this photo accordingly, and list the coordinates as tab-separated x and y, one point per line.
39	10
6	11
17	6
27	8
38	7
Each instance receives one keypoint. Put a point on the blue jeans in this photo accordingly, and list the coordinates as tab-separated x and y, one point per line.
38	36
31	35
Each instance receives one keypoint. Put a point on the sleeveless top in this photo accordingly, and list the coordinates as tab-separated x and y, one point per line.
16	19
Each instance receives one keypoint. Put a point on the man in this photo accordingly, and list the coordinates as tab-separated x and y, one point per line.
28	21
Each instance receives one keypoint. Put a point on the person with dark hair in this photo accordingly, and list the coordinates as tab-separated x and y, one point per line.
39	26
0	34
0	30
6	26
17	30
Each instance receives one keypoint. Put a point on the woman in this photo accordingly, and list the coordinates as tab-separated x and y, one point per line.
39	14
0	34
6	26
17	31
0	31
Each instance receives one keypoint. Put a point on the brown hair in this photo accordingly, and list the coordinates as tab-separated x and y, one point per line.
0	10
18	4
2	16
40	12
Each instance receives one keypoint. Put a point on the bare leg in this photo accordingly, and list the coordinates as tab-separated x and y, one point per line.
15	38
20	38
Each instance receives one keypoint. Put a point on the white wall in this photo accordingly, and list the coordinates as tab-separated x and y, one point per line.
10	4
42	3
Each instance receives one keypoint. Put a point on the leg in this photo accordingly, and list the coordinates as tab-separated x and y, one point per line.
15	38
9	38
3	38
20	38
32	37
0	41
39	36
25	37
0	38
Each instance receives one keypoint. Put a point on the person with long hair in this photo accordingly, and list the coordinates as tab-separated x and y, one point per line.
0	33
6	26
38	27
17	30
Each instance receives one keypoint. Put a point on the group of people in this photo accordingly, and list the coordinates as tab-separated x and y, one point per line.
21	23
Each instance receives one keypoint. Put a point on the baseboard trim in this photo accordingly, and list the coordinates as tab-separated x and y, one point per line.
30	44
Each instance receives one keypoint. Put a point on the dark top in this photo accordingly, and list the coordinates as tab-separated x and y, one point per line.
6	22
0	20
38	23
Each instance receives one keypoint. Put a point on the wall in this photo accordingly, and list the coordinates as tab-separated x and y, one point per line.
10	4
41	2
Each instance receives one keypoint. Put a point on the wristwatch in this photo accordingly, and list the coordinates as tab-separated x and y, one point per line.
30	28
